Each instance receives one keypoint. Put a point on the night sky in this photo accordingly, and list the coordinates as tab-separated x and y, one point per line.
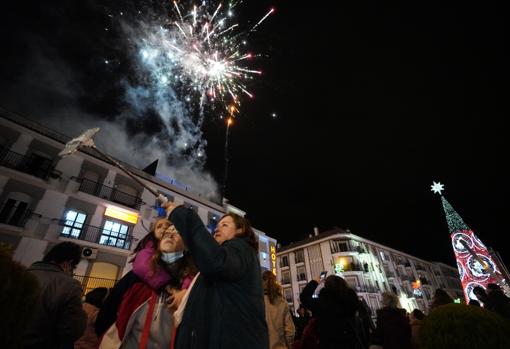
373	102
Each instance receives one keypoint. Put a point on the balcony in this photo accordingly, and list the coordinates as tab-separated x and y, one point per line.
367	289
14	213
95	234
109	193
34	164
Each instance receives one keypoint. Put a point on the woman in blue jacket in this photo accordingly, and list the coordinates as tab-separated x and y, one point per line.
225	305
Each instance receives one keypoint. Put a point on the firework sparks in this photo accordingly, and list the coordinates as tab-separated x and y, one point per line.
200	49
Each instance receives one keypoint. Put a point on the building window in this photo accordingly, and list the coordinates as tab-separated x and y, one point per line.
284	261
383	255
299	256
301	273
14	212
263	256
339	246
285	277
287	293
74	222
115	234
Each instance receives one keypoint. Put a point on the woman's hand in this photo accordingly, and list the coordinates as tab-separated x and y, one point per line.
169	207
175	299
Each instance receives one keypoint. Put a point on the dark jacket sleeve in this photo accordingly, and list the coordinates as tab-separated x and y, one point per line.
107	314
72	319
307	299
227	261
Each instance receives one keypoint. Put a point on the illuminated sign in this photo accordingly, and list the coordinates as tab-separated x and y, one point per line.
121	214
272	248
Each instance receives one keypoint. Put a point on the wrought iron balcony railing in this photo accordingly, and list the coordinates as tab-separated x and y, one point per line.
34	164
109	193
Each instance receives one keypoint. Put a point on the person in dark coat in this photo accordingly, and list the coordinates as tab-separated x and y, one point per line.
225	305
335	313
58	317
440	298
393	329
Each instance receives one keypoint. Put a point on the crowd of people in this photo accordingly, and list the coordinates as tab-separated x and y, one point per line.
189	289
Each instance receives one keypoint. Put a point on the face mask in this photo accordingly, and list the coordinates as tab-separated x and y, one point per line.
171	257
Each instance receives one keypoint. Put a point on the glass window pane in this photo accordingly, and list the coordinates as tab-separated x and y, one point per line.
66	231
103	240
124	229
81	218
114	233
112	241
108	225
75	233
120	243
116	227
71	215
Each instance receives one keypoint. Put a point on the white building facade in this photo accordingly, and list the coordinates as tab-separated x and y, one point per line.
368	267
45	199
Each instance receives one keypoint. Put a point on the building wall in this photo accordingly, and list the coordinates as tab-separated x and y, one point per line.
34	204
368	267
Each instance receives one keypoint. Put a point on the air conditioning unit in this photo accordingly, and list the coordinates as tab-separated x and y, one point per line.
89	253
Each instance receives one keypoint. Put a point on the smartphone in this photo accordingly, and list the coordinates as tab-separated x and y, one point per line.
323	275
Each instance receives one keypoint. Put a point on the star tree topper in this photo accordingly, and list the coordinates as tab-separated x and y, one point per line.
437	188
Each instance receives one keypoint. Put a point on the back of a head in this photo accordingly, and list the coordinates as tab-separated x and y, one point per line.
335	283
64	252
271	287
418	314
389	300
96	296
474	302
479	292
442	297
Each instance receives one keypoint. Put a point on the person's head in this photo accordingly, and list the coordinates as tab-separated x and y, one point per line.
96	296
441	297
160	226
155	234
169	248
474	302
417	314
479	292
389	300
492	287
231	226
335	283
65	254
170	241
270	286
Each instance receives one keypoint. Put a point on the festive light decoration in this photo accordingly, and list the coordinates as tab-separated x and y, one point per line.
476	267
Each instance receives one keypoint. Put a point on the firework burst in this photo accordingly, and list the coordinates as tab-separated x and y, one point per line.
201	49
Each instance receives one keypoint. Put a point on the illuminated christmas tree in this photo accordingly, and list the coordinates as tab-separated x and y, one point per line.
475	264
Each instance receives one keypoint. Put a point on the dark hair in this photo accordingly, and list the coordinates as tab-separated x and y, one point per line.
271	287
96	296
418	314
441	297
246	230
493	287
64	252
479	291
151	236
474	302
